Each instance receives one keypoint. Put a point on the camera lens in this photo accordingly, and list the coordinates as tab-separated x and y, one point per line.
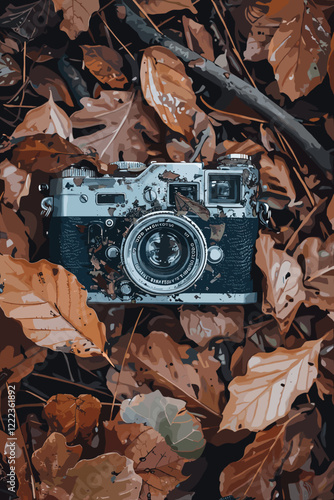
164	253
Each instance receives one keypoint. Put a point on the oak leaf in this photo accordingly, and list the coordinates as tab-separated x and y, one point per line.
154	461
270	386
77	15
105	64
200	326
284	447
17	183
73	416
14	240
46	119
50	304
153	7
168	89
54	458
181	429
128	126
157	362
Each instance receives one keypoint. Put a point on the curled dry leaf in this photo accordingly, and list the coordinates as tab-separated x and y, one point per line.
43	80
154	461
181	429
168	89
105	64
50	304
270	386
73	416
201	325
14	240
129	126
284	447
77	15
157	361
197	38
299	49
153	7
17	183
10	71
54	458
46	119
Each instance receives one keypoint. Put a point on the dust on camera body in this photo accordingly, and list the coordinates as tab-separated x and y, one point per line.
173	233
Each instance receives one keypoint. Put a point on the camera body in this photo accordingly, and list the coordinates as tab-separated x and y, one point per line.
173	233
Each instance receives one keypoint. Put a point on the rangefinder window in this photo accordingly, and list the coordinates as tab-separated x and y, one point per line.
187	189
224	188
110	198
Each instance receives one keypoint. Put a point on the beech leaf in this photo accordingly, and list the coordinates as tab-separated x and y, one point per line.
77	15
105	64
169	417
270	386
285	446
73	416
50	304
46	119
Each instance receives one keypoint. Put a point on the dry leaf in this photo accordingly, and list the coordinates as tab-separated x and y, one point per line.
10	71
202	325
285	446
157	362
106	476
54	458
185	205
14	240
46	119
270	386
153	7
50	304
154	461
43	80
17	184
128	124
73	416
105	64
168	89
247	147
181	429
77	15
259	38
277	186
300	47
198	39
19	366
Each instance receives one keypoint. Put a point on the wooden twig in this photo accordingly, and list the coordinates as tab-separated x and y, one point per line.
236	87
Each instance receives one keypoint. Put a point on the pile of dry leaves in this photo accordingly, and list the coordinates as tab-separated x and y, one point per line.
177	402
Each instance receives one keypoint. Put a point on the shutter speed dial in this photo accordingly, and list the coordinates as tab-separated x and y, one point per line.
149	194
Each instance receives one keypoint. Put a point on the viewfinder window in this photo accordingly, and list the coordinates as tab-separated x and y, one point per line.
110	198
224	188
188	190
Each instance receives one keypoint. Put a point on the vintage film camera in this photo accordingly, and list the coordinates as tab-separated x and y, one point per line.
174	233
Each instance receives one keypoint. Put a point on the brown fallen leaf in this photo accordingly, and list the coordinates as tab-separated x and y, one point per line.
153	7
54	458
120	112
10	71
259	38
185	205
43	80
316	486
46	299
217	232
284	447
270	386
77	15
14	240
197	38
299	49
330	212
46	119
247	147
168	89
17	184
157	362
73	416
209	322
154	461
105	64
278	189
18	366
